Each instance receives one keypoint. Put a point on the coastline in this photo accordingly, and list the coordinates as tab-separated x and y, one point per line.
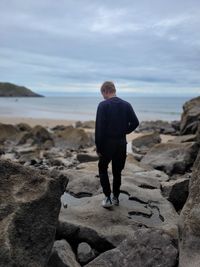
50	123
36	121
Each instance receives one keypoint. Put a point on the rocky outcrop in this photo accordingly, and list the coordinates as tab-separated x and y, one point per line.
142	144
172	158
190	116
38	135
29	208
73	138
142	249
189	224
8	131
159	126
12	90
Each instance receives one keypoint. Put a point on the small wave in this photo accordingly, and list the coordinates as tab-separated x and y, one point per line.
160	112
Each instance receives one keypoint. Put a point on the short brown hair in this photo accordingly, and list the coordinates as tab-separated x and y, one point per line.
108	87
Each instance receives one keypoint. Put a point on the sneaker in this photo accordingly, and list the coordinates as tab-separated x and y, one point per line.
115	201
107	203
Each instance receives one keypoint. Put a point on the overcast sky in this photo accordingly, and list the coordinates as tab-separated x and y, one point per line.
74	45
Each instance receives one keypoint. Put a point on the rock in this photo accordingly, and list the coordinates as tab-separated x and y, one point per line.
85	253
190	116
83	181
198	134
39	135
142	143
172	158
24	127
176	191
137	156
145	179
85	157
78	124
8	131
142	208
189	223
26	153
73	138
85	124
159	126
2	151
62	255
176	125
59	128
76	234
30	204
184	138
144	248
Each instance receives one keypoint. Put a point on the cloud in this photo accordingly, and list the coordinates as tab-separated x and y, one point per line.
76	45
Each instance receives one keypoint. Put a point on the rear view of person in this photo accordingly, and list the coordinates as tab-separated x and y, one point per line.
114	119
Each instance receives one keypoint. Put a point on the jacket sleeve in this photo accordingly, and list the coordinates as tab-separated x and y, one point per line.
133	121
100	128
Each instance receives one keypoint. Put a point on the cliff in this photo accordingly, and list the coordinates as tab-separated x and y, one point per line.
12	90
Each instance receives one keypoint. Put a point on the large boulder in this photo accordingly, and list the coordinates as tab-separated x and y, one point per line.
29	209
38	135
189	224
73	138
190	116
176	191
8	131
144	248
163	127
172	158
143	143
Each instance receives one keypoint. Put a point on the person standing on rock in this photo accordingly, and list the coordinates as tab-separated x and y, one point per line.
114	119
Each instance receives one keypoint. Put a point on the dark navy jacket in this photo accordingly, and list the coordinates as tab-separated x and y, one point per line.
114	119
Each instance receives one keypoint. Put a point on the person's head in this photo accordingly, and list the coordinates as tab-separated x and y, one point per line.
108	89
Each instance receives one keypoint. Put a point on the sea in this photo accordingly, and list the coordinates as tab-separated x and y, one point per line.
83	107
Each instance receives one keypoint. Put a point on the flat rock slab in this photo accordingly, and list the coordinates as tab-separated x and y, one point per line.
29	208
116	223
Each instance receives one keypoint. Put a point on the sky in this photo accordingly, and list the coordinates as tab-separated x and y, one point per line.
147	47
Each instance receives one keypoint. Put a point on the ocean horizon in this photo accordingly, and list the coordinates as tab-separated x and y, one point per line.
76	107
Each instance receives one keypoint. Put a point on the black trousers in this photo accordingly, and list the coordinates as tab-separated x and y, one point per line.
114	150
